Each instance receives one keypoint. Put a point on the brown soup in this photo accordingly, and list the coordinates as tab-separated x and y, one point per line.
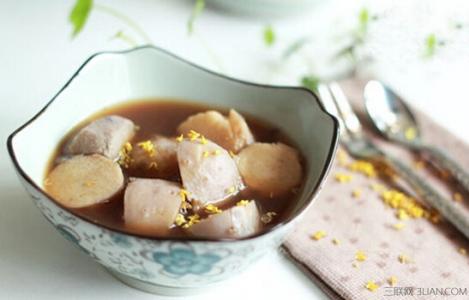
163	117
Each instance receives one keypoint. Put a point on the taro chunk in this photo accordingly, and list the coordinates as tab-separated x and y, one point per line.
157	154
236	222
270	168
84	180
231	133
242	135
212	124
208	172
151	205
105	136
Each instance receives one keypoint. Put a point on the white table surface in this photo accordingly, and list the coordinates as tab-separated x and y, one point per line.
37	56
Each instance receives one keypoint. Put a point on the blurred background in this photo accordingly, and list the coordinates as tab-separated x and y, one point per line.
418	47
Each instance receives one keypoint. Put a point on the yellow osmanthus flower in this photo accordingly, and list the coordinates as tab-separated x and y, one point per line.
399	226
403	259
410	133
203	140
402	214
183	194
356	193
242	203
128	147
124	155
191	220
392	280
180	138
206	153
180	220
193	135
406	206
360	255
343	178
371	286
364	167
342	157
336	241
212	209
231	190
318	235
457	197
416	211
393	198
148	147
186	205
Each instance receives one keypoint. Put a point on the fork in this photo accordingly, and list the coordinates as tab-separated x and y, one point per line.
361	147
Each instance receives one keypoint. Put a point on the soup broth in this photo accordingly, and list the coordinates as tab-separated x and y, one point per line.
159	116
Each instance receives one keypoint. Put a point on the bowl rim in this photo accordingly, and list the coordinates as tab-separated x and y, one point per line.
312	195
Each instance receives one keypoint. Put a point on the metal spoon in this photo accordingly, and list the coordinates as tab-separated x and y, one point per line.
394	120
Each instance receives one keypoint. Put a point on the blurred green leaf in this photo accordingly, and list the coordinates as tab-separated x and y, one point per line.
79	15
363	20
295	47
269	35
430	45
364	16
196	11
310	82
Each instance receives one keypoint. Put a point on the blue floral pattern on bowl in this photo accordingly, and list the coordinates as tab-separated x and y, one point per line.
185	261
174	264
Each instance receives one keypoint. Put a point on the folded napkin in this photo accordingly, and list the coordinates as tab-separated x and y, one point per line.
361	239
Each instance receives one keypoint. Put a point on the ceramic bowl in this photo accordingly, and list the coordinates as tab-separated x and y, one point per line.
163	265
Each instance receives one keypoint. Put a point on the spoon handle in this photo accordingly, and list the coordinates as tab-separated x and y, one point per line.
446	207
449	164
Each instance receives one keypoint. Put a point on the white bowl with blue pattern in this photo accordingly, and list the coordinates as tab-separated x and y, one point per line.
161	265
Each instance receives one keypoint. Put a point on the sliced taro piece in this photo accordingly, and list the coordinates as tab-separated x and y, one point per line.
235	222
104	136
84	180
151	205
208	172
270	168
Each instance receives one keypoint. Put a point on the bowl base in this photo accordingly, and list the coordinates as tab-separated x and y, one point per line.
155	288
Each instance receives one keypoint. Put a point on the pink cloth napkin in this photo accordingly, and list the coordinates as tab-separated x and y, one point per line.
423	259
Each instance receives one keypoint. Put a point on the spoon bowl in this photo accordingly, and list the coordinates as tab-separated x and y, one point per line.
390	115
394	120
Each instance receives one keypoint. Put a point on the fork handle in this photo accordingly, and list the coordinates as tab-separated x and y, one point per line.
445	206
447	163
